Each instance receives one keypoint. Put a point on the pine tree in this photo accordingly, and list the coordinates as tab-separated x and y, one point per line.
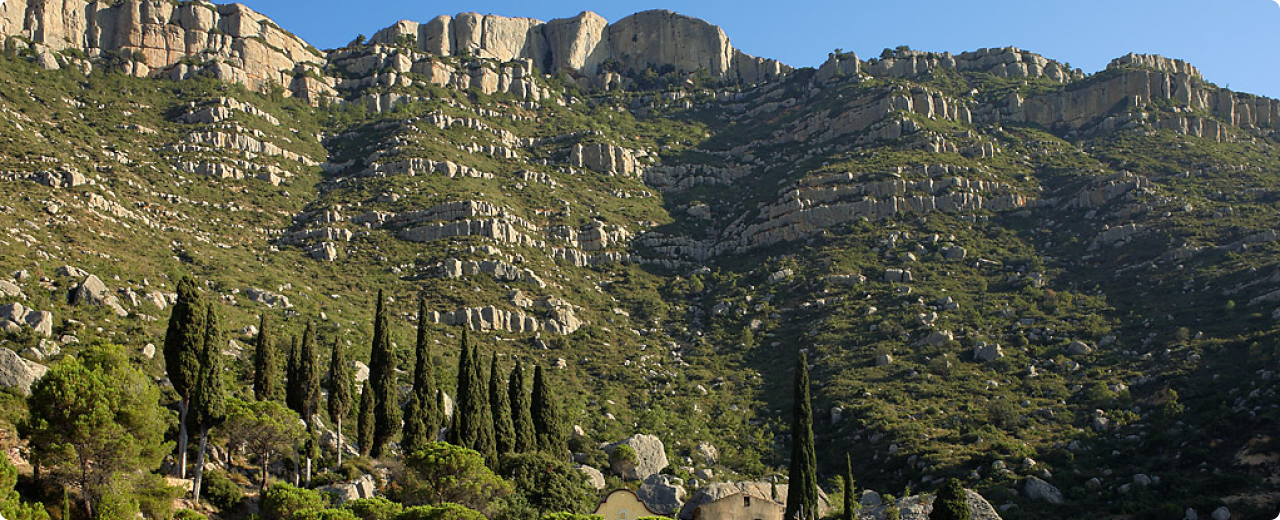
486	442
547	422
183	345
849	501
504	434
951	502
364	420
266	364
523	434
340	384
422	417
308	388
209	400
382	371
802	488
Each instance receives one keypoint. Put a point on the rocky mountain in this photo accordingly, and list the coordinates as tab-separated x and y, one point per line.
1061	287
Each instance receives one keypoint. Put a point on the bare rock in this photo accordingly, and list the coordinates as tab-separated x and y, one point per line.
19	373
662	494
595	478
1037	489
650	457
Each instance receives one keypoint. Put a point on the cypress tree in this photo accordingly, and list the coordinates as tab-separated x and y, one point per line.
523	434
266	364
465	431
486	443
292	393
364	420
547	422
209	400
309	391
382	371
422	416
849	500
504	434
951	502
183	344
340	383
802	488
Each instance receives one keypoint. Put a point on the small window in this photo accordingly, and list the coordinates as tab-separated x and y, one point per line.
622	514
746	501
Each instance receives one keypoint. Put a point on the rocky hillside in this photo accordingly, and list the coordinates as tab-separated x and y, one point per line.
1059	286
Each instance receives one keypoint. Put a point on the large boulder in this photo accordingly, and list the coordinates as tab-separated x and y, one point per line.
647	456
662	494
362	487
93	292
1037	489
19	373
595	478
984	352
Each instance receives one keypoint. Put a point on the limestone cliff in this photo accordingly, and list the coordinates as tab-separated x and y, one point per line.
232	42
582	43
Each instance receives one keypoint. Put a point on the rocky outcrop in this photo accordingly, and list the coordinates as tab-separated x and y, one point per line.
93	292
388	66
581	44
604	158
493	318
1005	62
919	507
662	494
19	373
232	42
15	315
453	268
650	457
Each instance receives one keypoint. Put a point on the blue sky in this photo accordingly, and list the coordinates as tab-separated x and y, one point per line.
1233	42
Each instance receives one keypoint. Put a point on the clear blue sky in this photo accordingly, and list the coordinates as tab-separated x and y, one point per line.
1233	42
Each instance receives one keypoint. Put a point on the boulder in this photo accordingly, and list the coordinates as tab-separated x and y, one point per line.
1079	348
595	478
984	352
884	359
939	338
1037	489
11	290
18	373
662	494
41	322
707	453
362	487
93	292
650	457
1221	513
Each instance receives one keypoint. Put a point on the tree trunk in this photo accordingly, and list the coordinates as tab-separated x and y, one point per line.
339	424
195	484
297	467
308	472
183	405
263	486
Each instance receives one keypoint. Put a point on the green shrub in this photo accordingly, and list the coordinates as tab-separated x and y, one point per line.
187	514
322	514
446	511
155	496
281	500
376	508
220	490
570	516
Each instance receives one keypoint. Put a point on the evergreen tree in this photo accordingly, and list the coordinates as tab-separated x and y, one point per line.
292	393
340	385
183	344
422	416
951	502
266	364
466	431
548	424
209	401
382	371
486	443
308	389
802	488
364	420
523	434
849	501
500	407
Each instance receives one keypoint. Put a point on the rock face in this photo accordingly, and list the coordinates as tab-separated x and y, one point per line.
18	373
93	292
595	478
14	315
581	44
236	43
663	494
651	457
362	487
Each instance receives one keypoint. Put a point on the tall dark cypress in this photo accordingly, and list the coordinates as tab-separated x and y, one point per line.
422	417
364	420
465	431
802	484
547	421
292	388
504	435
849	500
309	392
183	345
486	443
382	371
266	364
340	383
209	400
524	436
